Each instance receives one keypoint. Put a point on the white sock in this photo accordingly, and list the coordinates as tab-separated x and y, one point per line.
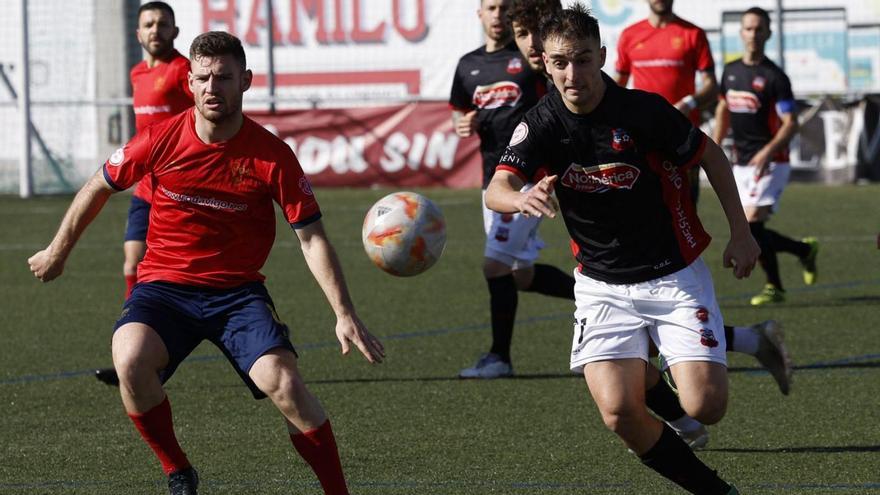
745	340
684	423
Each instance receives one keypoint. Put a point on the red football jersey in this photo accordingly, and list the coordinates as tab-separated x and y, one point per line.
664	60
213	221
158	93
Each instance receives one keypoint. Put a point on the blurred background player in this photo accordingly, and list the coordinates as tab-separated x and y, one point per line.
663	54
636	282
491	90
217	175
757	103
159	89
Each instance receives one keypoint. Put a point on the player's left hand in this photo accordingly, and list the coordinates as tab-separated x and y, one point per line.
761	162
351	330
741	254
45	265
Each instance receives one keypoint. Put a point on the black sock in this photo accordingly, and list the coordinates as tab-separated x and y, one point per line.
673	459
552	281
663	401
784	244
728	337
768	254
502	305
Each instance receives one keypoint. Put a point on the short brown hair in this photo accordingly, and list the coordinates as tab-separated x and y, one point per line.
215	44
574	23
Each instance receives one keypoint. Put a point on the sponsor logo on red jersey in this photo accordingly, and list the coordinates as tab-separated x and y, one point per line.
742	101
117	157
620	140
500	94
600	178
515	66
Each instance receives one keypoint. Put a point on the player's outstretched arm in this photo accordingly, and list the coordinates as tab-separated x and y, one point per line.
48	264
504	196
324	265
742	251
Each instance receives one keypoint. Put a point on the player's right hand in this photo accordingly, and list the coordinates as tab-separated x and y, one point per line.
45	265
466	125
539	201
351	330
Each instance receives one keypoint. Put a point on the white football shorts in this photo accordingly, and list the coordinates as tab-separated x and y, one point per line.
765	191
678	312
511	238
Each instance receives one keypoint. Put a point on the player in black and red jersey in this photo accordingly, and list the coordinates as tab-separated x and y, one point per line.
618	161
492	89
757	103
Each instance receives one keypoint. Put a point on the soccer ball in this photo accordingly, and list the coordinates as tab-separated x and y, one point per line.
404	233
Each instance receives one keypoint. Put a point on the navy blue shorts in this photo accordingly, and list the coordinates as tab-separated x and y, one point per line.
138	220
240	321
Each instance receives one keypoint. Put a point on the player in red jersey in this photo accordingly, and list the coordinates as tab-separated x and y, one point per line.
216	175
663	54
159	89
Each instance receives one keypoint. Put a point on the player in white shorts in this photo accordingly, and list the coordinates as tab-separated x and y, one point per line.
511	238
618	162
757	103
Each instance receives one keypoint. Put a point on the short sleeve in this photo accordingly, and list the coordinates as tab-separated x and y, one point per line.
785	103
131	162
292	190
525	150
459	99
623	64
671	133
703	51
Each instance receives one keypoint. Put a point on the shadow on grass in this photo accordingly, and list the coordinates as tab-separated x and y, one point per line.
801	450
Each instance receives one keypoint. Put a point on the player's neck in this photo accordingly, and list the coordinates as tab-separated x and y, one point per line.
154	61
495	45
660	21
753	58
216	132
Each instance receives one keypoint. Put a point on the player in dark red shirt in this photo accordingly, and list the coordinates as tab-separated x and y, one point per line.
159	89
215	176
492	88
617	160
757	103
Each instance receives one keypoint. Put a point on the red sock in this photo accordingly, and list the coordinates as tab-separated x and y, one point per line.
157	430
130	280
318	448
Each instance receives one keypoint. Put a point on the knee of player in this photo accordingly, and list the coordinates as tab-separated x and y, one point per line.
708	409
284	386
623	418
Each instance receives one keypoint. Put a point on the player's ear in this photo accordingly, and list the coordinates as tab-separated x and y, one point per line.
176	32
246	78
603	53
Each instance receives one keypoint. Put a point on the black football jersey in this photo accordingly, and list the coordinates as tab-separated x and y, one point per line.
622	184
756	95
501	86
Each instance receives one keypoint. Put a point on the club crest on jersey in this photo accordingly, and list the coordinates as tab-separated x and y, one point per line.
707	338
620	140
500	94
758	83
514	66
600	178
117	157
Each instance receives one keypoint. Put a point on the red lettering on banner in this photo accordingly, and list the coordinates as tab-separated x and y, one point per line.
258	21
212	16
416	33
315	10
358	34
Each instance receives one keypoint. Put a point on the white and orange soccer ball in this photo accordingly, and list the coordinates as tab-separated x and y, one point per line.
404	233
